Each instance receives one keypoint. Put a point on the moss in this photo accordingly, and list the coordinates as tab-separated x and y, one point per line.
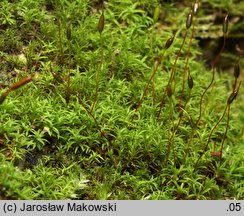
54	145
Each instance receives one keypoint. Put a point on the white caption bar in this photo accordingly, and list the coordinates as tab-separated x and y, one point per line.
123	208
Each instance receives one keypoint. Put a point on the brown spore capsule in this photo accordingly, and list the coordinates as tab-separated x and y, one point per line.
169	91
232	97
169	42
189	20
225	23
100	26
190	81
195	7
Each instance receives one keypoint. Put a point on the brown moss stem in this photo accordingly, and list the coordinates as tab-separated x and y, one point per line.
171	139
209	137
149	81
186	64
172	75
100	28
60	40
226	129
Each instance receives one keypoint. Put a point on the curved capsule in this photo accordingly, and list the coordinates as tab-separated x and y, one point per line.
189	20
169	42
225	23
